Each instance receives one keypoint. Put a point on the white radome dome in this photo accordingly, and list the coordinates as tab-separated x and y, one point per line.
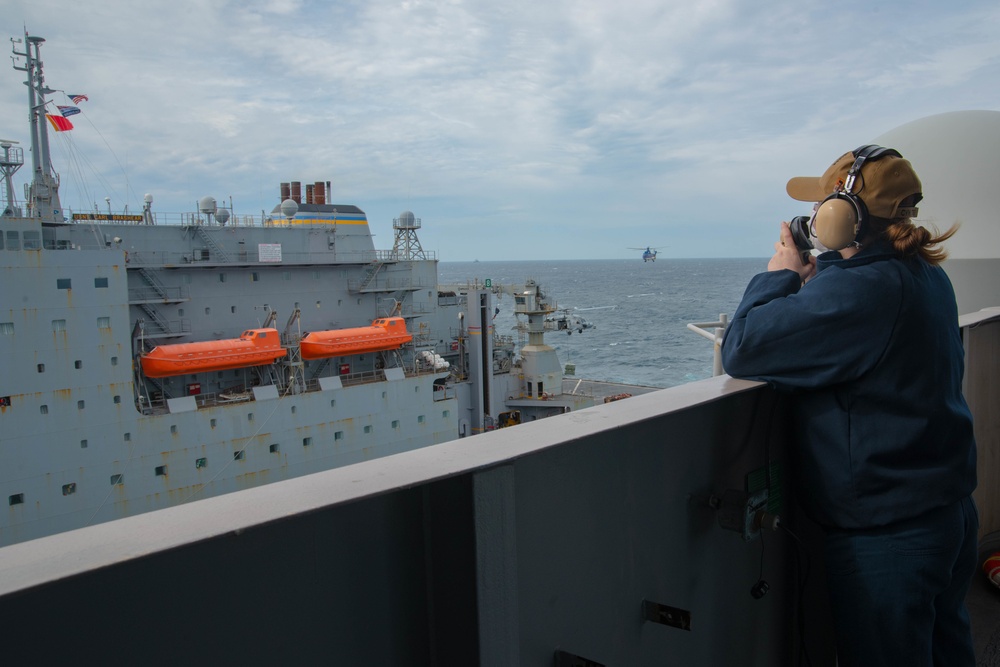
957	156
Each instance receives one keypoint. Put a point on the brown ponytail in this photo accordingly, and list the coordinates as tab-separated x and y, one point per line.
908	240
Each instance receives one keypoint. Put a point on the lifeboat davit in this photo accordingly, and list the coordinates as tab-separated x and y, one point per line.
254	347
387	333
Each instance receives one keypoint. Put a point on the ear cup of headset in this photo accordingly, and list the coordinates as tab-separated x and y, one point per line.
836	222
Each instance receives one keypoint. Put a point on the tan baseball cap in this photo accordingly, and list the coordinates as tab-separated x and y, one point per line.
882	184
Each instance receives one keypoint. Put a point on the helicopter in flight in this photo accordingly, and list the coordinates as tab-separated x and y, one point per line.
567	321
648	253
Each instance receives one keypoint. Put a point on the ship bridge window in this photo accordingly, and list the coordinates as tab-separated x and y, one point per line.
1	241
117	479
100	282
103	322
16	499
13	240
6	328
69	489
32	241
59	325
64	283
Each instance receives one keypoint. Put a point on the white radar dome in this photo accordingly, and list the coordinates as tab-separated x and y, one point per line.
207	205
289	208
955	156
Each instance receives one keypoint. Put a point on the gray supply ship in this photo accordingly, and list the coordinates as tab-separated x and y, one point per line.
147	360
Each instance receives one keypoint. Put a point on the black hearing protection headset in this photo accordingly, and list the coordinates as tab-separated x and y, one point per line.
842	218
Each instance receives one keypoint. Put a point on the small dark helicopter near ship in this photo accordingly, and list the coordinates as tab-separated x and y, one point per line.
566	321
648	253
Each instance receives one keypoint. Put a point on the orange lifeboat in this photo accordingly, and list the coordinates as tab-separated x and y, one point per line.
387	333
254	347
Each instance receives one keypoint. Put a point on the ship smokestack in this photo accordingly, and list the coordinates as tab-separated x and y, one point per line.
286	191
296	192
309	194
319	194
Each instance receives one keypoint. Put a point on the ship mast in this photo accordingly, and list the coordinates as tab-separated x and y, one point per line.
43	193
10	162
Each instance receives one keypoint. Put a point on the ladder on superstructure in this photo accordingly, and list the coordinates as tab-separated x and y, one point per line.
371	273
214	247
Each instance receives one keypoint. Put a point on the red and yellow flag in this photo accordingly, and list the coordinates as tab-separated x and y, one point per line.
59	123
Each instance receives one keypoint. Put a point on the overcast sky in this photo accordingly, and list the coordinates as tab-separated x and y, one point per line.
544	129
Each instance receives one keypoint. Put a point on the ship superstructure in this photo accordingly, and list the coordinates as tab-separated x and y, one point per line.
119	392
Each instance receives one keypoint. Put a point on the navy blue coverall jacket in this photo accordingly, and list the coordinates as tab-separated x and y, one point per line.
871	352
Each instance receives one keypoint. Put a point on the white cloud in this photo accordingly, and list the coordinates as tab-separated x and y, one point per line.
539	118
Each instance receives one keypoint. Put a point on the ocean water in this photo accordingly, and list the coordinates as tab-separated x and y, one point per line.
639	311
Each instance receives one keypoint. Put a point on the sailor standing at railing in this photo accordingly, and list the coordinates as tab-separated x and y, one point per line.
865	339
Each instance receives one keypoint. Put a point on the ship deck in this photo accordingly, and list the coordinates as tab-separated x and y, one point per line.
600	389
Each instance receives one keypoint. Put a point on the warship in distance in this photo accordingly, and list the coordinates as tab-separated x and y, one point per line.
147	361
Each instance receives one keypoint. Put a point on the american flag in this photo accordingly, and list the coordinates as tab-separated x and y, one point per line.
79	98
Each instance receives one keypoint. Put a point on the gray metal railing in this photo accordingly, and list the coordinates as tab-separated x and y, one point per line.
718	330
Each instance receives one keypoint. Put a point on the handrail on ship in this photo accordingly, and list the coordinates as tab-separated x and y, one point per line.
244	394
715	335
